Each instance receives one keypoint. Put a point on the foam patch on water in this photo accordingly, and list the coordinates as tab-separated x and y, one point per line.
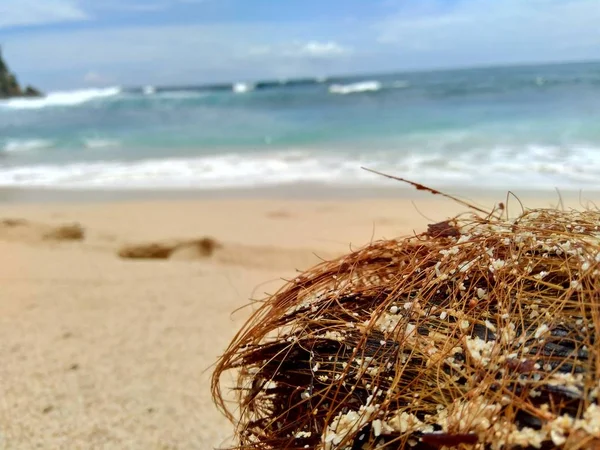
100	143
24	145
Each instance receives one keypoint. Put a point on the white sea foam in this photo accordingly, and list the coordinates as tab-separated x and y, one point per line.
210	172
64	98
149	90
352	88
24	145
532	168
93	143
241	88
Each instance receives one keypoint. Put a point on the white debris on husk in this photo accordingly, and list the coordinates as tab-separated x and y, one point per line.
480	350
347	425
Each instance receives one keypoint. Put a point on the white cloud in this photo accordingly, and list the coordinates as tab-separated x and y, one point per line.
38	12
174	54
487	31
322	49
311	49
160	48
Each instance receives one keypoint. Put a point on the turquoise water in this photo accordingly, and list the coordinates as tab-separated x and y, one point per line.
536	127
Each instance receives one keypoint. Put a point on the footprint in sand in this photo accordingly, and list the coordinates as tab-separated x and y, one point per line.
279	214
17	229
190	249
70	232
250	256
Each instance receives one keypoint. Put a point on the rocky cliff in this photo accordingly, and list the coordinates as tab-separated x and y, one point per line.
9	86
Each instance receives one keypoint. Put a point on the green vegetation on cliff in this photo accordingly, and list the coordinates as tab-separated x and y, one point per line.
9	86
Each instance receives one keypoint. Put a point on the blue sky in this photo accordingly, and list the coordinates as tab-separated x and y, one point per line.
62	44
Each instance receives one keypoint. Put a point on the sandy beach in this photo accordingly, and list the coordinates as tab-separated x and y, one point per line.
101	351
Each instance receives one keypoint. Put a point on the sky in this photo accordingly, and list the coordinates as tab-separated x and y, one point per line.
73	44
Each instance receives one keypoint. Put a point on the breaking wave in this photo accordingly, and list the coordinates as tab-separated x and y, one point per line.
353	88
242	88
534	167
61	98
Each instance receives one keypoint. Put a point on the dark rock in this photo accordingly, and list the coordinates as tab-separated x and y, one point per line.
30	91
9	86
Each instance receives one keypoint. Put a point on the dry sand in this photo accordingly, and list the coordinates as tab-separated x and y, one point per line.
99	351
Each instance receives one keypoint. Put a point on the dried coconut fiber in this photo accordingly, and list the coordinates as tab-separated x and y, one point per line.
477	334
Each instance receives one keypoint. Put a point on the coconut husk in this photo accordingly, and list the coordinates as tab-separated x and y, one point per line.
478	333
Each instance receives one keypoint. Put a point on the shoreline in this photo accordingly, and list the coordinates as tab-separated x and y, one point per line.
294	191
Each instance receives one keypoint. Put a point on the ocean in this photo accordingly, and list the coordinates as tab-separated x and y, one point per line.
533	127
